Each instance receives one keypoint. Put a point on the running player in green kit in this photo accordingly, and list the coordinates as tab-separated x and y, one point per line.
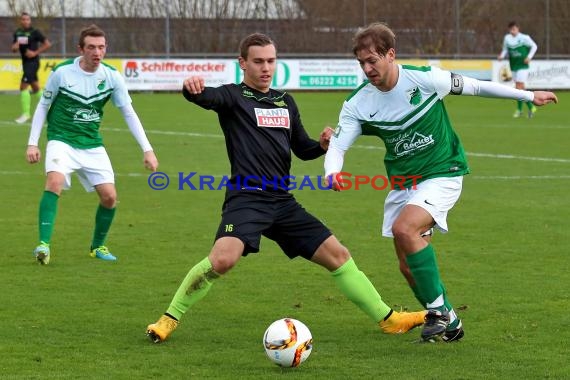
73	101
520	49
403	106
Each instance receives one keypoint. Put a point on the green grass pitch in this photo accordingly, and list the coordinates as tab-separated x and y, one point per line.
504	262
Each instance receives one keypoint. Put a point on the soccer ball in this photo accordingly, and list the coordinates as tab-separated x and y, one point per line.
288	342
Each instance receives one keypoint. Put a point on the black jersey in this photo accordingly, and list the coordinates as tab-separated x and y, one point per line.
28	39
261	130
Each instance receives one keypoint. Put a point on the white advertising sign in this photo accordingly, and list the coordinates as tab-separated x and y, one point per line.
541	74
169	74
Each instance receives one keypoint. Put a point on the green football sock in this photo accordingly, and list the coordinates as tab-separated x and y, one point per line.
103	219
529	105
46	219
193	288
25	100
355	285
38	94
519	105
418	295
428	283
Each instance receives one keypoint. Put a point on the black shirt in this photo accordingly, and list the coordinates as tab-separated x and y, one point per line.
260	130
29	39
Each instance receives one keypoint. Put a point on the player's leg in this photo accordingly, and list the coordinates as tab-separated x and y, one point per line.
224	255
299	233
47	213
25	101
428	207
522	77
239	233
95	173
354	284
103	219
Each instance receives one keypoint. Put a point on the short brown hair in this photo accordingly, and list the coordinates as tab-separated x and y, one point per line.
513	23
376	36
255	39
91	31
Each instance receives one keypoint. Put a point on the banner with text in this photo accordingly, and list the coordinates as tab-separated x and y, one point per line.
547	75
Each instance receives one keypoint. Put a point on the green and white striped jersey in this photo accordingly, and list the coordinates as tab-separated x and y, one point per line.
76	99
518	48
411	120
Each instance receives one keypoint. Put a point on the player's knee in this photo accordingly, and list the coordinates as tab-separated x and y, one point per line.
108	200
222	263
403	231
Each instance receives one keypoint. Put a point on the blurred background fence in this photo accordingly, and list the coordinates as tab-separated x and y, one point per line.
301	28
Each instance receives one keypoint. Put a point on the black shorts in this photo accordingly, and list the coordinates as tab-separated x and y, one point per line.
30	69
248	214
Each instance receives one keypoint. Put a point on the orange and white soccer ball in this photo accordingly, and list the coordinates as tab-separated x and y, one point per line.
288	342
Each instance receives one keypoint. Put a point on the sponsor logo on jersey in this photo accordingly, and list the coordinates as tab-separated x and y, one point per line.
47	94
409	145
414	96
84	115
100	84
272	117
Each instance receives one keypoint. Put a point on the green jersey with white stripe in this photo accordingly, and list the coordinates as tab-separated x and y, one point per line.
518	48
411	120
76	99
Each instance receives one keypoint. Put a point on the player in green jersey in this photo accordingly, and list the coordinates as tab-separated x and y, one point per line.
403	106
73	101
520	49
30	43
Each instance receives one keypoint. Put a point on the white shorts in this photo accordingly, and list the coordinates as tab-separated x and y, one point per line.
437	196
520	75
93	166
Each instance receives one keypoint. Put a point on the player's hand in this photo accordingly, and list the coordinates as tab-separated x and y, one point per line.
335	186
15	47
150	161
499	58
31	53
526	61
33	154
544	97
195	85
325	137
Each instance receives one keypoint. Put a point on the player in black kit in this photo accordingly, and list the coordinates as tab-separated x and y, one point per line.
30	42
261	127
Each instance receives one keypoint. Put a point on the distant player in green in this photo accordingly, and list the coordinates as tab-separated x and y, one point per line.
403	106
30	42
520	49
73	101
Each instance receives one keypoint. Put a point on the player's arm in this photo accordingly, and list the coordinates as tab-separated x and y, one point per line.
15	44
40	114
211	98
122	100
302	145
532	51
503	52
45	44
462	85
137	130
346	133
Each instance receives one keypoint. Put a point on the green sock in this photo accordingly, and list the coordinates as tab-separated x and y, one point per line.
529	105
453	319
38	94
418	295
103	219
25	100
355	285
428	282
519	105
46	219
193	288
